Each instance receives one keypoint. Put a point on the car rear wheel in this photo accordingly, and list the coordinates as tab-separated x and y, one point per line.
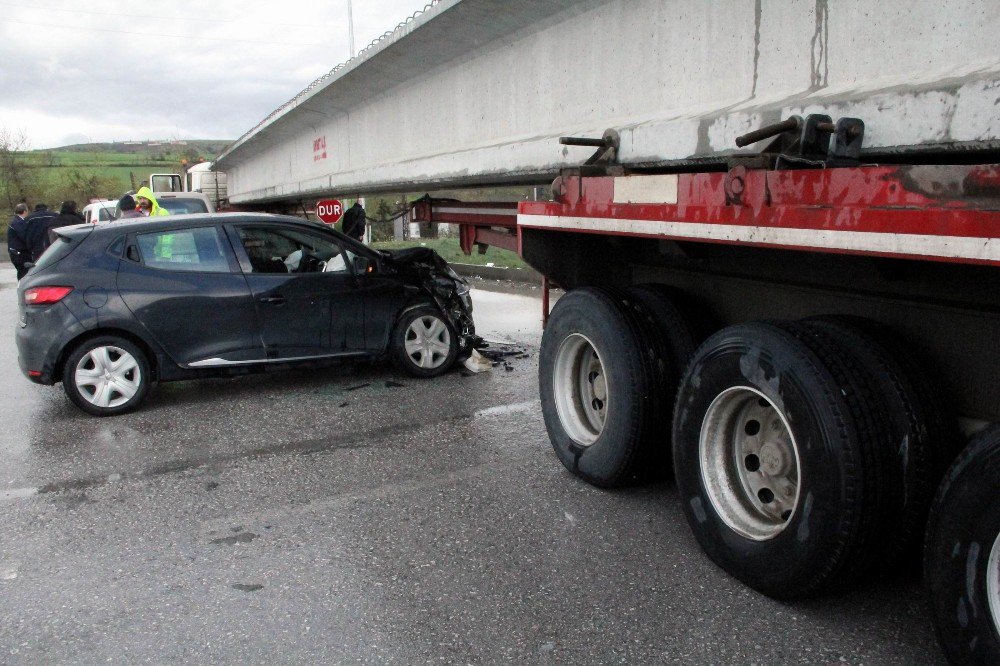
424	344
106	376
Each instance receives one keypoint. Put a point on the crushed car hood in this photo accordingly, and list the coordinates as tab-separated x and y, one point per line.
426	269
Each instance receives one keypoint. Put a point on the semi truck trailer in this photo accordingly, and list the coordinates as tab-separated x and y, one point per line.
803	338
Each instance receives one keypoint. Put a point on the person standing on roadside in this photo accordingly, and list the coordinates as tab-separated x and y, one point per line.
354	222
17	246
148	205
36	230
127	207
68	215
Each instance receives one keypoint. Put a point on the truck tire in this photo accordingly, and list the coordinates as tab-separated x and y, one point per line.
920	441
773	453
674	325
962	556
669	344
596	389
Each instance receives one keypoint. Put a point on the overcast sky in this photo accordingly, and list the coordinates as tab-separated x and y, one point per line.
73	72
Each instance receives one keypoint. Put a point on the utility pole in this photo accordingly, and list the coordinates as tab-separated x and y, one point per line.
350	27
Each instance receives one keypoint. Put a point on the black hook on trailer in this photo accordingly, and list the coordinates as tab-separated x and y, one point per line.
807	142
607	146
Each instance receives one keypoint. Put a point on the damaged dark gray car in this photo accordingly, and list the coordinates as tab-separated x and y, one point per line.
112	308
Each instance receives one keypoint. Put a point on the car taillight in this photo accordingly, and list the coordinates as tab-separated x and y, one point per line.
45	295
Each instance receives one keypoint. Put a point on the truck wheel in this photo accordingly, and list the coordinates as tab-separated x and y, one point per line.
920	442
670	342
106	376
962	556
773	434
595	387
423	343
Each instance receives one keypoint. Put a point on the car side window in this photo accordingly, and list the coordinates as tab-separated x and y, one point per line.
273	250
184	250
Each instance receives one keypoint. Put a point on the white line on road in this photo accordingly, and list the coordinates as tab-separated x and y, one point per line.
508	409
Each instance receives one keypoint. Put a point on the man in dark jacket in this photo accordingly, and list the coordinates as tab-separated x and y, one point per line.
40	236
17	246
354	222
127	207
36	229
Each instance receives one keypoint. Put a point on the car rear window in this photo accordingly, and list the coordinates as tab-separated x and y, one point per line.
184	250
183	206
61	247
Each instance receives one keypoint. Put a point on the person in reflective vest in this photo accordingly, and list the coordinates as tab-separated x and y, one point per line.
148	204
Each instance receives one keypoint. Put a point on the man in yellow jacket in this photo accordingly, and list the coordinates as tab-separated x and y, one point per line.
164	249
148	204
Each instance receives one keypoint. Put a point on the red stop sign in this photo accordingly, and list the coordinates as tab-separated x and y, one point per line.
329	210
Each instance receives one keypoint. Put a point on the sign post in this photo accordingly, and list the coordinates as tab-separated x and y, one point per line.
329	210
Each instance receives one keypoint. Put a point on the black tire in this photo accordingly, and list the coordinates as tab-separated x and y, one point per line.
824	534
438	356
669	343
88	397
608	453
921	440
963	541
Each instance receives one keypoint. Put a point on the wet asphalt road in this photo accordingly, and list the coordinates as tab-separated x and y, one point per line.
354	515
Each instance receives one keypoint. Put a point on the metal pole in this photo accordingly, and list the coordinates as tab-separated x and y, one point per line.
350	27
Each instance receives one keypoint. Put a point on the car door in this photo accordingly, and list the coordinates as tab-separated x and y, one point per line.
306	296
382	295
185	287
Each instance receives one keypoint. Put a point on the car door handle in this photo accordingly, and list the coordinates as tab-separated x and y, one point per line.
273	300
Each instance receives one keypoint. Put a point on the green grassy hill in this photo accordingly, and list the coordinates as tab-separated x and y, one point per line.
100	170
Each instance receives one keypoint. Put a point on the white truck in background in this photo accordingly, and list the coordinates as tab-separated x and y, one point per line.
197	179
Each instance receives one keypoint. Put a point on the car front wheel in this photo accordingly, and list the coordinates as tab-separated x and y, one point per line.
106	376
423	343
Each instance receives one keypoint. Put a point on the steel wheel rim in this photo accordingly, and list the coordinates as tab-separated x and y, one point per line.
750	463
427	342
580	384
107	376
993	584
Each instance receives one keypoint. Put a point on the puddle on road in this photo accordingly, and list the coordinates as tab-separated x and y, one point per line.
247	587
242	537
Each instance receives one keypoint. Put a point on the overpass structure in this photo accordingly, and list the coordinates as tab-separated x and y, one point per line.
476	92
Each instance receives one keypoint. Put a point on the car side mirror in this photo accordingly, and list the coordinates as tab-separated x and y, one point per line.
363	265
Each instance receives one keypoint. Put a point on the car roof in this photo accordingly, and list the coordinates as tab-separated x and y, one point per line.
166	222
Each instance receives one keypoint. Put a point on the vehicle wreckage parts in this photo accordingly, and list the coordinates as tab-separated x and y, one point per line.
597	387
962	556
424	343
106	375
780	458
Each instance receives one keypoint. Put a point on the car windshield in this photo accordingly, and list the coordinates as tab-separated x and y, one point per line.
183	206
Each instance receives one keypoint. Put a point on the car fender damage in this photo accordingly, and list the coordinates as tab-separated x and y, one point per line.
424	268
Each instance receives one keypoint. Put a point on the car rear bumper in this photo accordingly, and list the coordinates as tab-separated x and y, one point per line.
41	337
